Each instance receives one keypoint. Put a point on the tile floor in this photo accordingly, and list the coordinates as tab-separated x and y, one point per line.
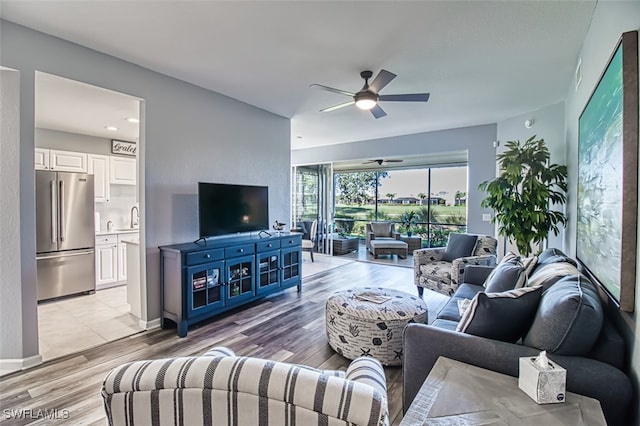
69	325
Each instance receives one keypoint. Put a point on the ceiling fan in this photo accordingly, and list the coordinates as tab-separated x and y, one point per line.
368	97
380	161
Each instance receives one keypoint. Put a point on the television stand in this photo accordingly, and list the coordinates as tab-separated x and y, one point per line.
200	281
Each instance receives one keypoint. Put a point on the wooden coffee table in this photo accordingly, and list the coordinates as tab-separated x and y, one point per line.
463	394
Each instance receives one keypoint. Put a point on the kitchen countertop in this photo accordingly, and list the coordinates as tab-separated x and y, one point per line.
118	231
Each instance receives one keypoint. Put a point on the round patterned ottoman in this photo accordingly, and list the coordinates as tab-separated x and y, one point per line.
358	326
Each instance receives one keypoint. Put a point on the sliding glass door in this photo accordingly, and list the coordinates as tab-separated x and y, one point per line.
427	202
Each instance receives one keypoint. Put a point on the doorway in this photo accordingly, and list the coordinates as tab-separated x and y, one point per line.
87	129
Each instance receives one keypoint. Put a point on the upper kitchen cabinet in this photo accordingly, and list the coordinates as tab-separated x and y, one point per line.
61	161
67	161
42	159
99	168
123	170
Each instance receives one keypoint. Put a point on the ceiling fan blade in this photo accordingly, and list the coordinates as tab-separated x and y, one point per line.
332	89
335	107
408	97
383	78
377	111
393	161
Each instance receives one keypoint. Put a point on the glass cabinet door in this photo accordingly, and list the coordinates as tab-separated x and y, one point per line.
205	287
291	265
240	279
268	271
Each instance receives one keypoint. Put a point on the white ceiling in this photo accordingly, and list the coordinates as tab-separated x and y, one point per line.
482	61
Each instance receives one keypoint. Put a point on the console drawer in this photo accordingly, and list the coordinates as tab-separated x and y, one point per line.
204	256
290	241
268	245
238	250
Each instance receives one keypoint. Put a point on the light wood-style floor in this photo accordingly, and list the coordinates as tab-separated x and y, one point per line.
286	327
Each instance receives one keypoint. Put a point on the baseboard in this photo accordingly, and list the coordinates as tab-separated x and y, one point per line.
16	364
149	325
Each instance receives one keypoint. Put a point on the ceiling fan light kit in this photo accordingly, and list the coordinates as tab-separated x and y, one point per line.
367	98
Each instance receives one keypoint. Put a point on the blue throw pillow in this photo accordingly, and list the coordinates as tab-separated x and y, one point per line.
502	316
506	276
459	245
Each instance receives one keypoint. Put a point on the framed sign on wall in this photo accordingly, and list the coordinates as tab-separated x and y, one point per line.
123	147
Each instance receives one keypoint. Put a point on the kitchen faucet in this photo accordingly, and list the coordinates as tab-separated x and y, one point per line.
134	219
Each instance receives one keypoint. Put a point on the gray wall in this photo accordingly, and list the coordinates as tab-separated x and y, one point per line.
610	20
54	139
18	318
477	141
548	124
189	135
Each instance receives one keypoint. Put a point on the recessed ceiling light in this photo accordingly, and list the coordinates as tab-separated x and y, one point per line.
112	128
132	120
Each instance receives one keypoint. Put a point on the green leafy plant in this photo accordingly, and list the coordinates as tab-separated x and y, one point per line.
523	193
408	219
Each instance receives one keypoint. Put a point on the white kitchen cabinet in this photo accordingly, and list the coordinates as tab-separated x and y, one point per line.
42	159
122	170
98	166
67	161
106	259
122	257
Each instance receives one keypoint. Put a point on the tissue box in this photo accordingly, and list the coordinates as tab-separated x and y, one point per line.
544	386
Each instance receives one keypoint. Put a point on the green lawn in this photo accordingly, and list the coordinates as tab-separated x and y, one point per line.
395	211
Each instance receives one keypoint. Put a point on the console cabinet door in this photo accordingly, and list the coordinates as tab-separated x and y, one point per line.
204	287
291	266
268	266
240	279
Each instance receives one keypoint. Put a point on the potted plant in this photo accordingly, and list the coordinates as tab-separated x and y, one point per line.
523	194
407	220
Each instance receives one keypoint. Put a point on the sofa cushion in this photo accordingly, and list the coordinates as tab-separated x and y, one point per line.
506	276
450	310
529	264
569	318
502	316
550	273
554	255
459	245
446	324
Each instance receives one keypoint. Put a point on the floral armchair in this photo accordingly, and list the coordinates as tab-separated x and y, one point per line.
441	270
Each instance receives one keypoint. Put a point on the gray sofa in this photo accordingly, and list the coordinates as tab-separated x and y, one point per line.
569	321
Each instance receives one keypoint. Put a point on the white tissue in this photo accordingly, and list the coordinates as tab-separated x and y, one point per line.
542	361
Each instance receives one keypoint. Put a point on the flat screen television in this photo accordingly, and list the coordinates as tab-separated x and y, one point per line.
228	209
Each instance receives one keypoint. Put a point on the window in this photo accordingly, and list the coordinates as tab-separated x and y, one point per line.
434	199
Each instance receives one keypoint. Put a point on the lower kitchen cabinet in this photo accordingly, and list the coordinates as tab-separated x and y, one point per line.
111	259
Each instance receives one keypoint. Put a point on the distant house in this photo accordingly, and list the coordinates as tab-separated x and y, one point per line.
406	200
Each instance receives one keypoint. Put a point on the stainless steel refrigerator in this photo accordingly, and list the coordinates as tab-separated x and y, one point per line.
65	233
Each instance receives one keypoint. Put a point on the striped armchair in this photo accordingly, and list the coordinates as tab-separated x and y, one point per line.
221	388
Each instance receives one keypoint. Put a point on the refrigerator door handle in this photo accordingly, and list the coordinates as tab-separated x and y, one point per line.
62	218
54	237
57	255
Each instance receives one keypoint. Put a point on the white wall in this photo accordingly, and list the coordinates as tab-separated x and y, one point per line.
190	135
549	125
477	141
610	20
